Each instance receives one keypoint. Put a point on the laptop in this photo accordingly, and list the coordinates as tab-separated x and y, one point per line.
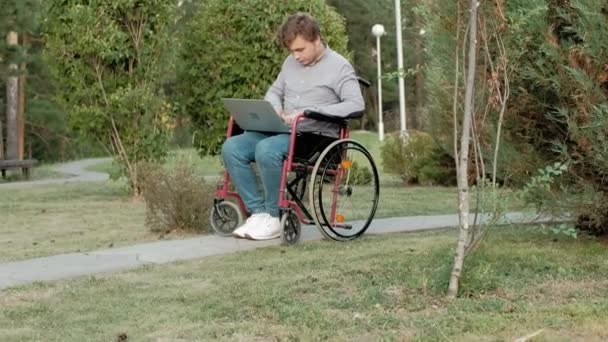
256	115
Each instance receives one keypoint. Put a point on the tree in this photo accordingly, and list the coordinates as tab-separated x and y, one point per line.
47	136
463	162
109	58
468	72
230	51
12	110
17	20
560	101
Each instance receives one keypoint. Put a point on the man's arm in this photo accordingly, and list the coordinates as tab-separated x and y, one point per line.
276	93
348	90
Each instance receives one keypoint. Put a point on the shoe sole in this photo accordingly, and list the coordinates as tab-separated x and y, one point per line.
247	236
240	236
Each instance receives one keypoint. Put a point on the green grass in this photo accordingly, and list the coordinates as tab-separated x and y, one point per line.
108	167
61	218
371	143
208	166
376	288
43	171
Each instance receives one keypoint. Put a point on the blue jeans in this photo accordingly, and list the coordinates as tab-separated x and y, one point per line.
268	151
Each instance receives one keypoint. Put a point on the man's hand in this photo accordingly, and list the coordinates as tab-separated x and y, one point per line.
288	118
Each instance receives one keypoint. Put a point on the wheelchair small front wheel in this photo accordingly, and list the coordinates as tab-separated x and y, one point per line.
225	218
291	229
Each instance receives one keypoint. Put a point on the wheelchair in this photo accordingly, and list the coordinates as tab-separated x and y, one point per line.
337	176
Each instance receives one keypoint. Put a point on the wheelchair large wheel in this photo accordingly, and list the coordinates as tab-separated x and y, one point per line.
345	191
225	218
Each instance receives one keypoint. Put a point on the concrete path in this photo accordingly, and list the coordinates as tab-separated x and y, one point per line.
116	259
75	172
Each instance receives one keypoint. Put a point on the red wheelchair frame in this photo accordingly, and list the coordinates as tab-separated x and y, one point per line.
227	216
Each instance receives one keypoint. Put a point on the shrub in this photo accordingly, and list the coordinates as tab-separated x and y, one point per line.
177	199
560	106
550	192
419	160
360	175
229	51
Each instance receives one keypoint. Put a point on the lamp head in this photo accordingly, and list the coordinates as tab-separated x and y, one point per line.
378	30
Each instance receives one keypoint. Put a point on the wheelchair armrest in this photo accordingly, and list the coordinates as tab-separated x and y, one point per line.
332	118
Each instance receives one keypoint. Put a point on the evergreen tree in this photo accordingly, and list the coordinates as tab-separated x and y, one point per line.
560	108
554	55
47	137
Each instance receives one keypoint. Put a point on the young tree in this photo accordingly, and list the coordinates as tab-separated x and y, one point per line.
110	58
463	163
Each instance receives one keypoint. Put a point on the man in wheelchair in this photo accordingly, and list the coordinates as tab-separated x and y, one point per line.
313	77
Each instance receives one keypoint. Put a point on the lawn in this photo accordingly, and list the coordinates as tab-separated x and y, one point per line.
79	217
43	171
63	218
377	288
208	166
72	217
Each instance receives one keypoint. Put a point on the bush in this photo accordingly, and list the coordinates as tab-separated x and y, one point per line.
551	193
229	51
419	160
560	107
178	199
360	175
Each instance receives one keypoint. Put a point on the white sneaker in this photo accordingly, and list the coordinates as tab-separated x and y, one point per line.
253	221
269	228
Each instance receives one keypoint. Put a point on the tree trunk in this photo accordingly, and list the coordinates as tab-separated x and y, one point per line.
463	185
417	119
21	107
12	90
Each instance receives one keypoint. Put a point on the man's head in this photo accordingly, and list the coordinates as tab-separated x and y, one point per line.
300	34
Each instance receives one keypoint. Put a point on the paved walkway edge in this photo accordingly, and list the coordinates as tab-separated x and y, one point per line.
75	170
117	259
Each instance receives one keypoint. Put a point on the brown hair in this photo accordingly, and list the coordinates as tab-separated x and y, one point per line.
299	24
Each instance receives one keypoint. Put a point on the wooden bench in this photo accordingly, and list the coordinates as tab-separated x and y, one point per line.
25	166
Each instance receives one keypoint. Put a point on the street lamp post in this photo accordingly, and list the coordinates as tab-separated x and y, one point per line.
378	31
401	69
